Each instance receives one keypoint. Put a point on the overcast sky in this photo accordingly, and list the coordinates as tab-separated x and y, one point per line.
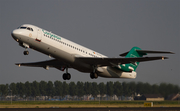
110	27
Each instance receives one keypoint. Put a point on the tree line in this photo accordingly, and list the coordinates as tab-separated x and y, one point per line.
79	89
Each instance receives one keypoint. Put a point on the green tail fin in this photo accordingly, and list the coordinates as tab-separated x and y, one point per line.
132	66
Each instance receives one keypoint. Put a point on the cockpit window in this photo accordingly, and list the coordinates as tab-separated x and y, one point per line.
23	27
28	28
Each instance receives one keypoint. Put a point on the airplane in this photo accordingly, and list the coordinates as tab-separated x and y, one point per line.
67	54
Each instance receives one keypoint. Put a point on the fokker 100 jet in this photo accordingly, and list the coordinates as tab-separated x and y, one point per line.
68	54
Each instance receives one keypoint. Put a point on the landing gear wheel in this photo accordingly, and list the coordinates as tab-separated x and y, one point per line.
66	76
26	52
93	75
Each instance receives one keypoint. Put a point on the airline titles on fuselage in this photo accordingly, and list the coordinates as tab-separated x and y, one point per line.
58	39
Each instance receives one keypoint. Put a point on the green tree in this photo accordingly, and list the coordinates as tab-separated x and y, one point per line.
139	88
50	89
118	89
95	90
12	87
42	88
72	89
102	89
28	89
155	88
163	89
132	88
35	89
87	88
147	88
65	89
110	89
4	90
80	89
58	88
21	89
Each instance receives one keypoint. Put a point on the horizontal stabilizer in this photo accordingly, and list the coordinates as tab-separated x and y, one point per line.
147	51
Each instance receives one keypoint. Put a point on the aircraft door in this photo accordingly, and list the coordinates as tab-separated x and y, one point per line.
39	37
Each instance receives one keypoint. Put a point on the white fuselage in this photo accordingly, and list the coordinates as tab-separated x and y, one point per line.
64	50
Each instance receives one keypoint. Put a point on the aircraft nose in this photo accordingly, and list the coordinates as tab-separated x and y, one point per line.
15	34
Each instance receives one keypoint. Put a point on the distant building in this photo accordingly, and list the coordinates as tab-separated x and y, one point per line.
150	97
174	97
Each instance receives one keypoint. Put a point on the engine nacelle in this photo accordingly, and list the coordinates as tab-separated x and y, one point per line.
114	72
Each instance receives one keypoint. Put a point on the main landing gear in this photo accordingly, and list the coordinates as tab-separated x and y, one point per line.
93	74
66	76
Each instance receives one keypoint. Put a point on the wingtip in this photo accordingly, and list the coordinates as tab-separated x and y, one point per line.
164	58
172	53
18	65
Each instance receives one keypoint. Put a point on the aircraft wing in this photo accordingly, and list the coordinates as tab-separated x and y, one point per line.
116	61
46	64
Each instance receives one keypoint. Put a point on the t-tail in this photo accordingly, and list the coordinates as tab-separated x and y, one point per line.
136	52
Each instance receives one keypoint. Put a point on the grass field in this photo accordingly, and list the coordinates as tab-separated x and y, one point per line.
83	104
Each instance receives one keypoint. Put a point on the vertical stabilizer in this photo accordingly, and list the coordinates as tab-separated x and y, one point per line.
132	66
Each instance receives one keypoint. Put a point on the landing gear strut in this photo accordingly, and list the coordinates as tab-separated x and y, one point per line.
66	76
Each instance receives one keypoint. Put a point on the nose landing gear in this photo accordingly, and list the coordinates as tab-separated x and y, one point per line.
26	52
